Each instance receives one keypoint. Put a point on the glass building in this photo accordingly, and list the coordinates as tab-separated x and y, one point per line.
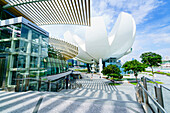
25	51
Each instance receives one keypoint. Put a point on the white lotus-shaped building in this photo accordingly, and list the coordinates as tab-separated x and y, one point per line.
96	44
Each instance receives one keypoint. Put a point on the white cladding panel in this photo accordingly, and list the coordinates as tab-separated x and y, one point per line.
98	45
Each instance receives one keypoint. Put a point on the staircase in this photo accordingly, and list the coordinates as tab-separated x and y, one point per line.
95	96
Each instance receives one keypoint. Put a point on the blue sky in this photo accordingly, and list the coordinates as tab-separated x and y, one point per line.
152	19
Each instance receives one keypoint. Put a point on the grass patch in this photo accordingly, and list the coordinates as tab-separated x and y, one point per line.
81	70
134	83
114	84
150	75
163	73
156	82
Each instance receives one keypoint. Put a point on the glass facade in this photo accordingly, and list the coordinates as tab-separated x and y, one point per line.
28	53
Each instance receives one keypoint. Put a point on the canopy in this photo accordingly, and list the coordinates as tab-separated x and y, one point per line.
44	12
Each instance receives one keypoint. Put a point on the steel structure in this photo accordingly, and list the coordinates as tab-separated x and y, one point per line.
44	12
68	50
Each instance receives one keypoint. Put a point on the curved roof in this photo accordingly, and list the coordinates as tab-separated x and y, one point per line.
68	50
44	12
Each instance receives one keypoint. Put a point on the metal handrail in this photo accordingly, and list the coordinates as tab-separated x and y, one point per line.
153	99
164	87
151	80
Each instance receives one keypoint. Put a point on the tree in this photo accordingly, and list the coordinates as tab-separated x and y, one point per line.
151	60
111	70
134	66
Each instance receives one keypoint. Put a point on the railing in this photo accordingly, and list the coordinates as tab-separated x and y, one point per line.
152	96
25	84
38	85
166	97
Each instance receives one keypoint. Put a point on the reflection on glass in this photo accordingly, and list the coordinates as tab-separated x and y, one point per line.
151	90
21	61
14	76
5	46
35	36
34	48
166	99
5	32
34	62
25	31
23	46
8	31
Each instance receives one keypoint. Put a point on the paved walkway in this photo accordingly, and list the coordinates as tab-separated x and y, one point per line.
96	96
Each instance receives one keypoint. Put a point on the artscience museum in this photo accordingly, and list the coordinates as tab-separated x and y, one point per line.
99	46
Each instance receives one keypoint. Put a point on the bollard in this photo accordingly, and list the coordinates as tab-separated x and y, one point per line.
67	82
49	85
17	87
56	87
145	86
39	84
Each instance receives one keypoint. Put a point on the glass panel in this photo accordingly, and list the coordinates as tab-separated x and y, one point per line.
17	46
5	46
44	50
34	62
6	32
33	74
34	48
45	39
16	30
15	63
33	85
23	46
166	99
14	76
151	90
21	61
35	36
25	31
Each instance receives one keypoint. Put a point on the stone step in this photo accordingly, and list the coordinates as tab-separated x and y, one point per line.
99	95
64	104
96	90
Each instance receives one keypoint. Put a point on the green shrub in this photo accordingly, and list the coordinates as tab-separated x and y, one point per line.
112	78
126	75
111	69
117	79
168	74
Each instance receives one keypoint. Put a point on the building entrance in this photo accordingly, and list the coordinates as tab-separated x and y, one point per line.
2	70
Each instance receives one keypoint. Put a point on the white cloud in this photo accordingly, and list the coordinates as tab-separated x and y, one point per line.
163	52
111	8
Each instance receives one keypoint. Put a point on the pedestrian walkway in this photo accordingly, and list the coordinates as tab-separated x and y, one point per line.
95	96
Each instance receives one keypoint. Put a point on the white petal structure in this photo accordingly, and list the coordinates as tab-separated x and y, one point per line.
96	44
